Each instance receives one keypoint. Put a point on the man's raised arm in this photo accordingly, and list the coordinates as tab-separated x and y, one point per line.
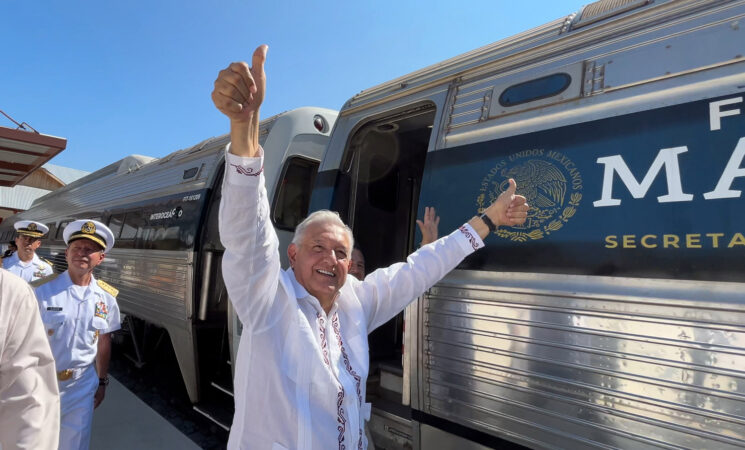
251	262
387	291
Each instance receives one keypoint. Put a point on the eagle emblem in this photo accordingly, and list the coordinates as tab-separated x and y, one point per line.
551	184
88	228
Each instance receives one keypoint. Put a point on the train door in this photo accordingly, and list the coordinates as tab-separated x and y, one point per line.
384	163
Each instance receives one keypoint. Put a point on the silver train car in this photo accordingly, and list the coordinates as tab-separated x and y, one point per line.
163	212
615	317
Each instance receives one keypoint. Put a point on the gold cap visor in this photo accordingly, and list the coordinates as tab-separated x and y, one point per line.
93	237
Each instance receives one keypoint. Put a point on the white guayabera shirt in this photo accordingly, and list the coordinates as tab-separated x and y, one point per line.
29	397
301	373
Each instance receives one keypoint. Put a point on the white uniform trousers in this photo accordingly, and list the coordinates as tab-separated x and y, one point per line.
76	398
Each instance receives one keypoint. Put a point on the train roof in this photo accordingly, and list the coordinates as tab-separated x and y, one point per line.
523	49
136	177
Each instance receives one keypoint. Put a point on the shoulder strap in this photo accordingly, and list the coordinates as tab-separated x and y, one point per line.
108	288
40	281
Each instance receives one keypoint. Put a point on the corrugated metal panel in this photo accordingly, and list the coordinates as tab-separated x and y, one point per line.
610	368
603	9
66	174
471	104
98	190
20	197
156	285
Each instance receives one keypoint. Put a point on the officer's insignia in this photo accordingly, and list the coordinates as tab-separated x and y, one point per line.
101	310
88	228
31	227
551	184
108	288
40	281
40	273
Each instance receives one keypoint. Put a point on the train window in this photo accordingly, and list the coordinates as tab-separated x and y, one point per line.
132	224
292	198
166	238
537	89
190	173
115	224
60	229
52	230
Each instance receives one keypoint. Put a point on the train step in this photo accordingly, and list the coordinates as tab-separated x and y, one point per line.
223	389
216	413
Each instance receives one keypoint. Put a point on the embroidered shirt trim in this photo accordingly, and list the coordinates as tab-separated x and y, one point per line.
247	171
467	233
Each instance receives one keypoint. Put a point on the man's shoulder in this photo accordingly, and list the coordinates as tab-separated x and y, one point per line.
106	287
11	260
45	262
13	280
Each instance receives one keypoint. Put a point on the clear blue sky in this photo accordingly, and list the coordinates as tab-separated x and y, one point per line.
120	78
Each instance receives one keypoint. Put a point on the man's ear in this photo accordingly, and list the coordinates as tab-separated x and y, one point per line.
292	254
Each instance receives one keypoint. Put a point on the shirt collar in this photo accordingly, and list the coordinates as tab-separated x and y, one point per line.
12	259
93	286
302	294
23	263
300	291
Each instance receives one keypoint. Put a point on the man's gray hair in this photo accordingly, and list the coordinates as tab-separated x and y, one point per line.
322	216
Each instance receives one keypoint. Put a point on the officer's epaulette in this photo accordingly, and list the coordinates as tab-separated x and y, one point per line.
47	261
40	281
108	288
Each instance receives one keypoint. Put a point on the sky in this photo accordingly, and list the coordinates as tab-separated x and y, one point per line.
135	77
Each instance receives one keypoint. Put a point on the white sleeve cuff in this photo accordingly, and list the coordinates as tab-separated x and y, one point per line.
468	239
241	170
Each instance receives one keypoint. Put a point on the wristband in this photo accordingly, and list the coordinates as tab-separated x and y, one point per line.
103	381
489	224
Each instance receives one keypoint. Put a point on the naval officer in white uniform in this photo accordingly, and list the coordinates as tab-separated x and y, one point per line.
25	262
79	313
303	358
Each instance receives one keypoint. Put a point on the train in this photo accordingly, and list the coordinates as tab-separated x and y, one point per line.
613	318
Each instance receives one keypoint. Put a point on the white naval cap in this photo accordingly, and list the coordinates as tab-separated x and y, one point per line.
89	229
31	228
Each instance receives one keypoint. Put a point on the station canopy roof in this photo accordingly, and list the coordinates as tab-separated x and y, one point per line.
22	152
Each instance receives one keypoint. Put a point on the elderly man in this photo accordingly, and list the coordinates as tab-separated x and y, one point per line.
79	314
303	358
25	262
29	397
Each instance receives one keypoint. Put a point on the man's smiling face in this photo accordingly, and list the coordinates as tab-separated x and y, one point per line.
321	260
27	246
